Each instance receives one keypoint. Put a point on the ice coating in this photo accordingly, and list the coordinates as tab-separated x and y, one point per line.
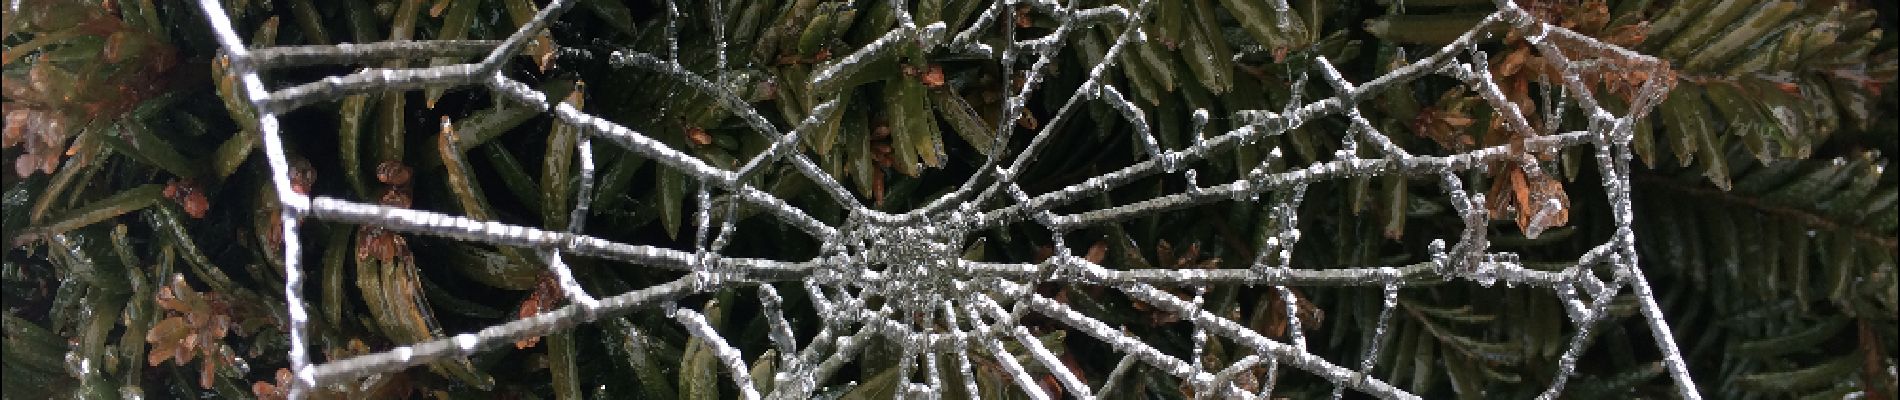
928	301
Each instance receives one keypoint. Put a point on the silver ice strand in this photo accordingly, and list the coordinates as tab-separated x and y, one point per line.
898	278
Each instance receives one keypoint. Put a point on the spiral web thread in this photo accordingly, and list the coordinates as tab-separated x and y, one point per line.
930	302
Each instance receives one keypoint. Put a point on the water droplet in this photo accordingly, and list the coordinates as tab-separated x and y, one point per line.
77	365
1192	186
465	342
1169	162
1275	124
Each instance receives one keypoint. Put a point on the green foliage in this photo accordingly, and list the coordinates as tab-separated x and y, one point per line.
1770	238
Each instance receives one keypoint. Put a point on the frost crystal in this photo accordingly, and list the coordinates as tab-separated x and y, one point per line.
900	276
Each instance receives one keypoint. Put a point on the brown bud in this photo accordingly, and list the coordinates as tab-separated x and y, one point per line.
382	245
302	175
698	136
933	76
16	124
189	196
1028	121
393	173
196	205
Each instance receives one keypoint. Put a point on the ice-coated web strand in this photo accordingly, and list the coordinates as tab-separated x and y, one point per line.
291	202
928	302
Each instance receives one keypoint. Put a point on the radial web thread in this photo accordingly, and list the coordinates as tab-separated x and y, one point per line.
937	305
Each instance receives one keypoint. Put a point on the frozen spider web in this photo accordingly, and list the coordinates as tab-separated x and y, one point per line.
899	277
